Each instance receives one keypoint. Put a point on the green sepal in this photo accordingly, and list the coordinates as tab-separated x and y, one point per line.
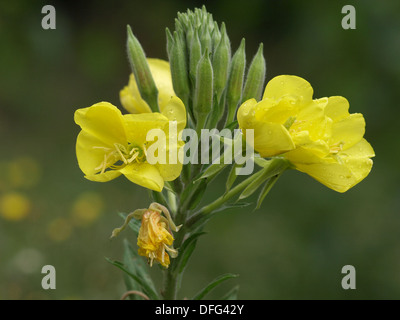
133	223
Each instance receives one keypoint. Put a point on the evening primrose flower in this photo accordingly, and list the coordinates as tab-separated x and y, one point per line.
130	95
111	144
319	137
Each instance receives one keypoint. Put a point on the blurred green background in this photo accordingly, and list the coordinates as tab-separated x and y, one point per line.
294	247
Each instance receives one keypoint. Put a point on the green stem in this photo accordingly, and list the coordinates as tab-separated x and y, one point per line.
275	165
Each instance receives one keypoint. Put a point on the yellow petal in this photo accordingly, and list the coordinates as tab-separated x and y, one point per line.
352	166
171	169
286	85
357	158
138	125
246	114
103	121
280	111
348	131
318	147
104	177
333	175
144	175
175	110
89	152
271	139
337	108
161	73
130	98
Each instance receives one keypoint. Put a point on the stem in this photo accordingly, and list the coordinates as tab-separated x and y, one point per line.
275	165
171	276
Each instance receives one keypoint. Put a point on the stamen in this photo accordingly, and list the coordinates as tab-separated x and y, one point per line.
337	147
144	149
104	148
133	157
163	254
117	146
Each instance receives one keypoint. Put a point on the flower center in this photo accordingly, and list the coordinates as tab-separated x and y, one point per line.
121	155
336	148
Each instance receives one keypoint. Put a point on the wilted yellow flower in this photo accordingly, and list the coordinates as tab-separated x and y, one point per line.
155	238
130	95
111	144
319	136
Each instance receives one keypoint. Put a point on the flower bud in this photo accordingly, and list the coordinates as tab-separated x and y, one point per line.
205	39
179	70
235	81
141	71
195	55
255	77
215	35
221	61
170	42
203	95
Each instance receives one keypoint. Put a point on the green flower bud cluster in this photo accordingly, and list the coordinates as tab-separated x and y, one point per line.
211	82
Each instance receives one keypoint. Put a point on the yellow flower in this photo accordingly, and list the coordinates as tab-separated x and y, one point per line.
130	96
319	136
155	238
111	144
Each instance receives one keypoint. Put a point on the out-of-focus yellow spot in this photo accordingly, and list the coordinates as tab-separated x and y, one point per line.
14	206
59	229
86	209
24	172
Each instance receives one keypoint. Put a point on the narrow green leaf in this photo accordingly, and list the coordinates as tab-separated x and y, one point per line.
231	294
276	166
213	284
196	198
232	125
137	265
266	189
146	288
212	170
187	249
206	217
158	197
232	177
